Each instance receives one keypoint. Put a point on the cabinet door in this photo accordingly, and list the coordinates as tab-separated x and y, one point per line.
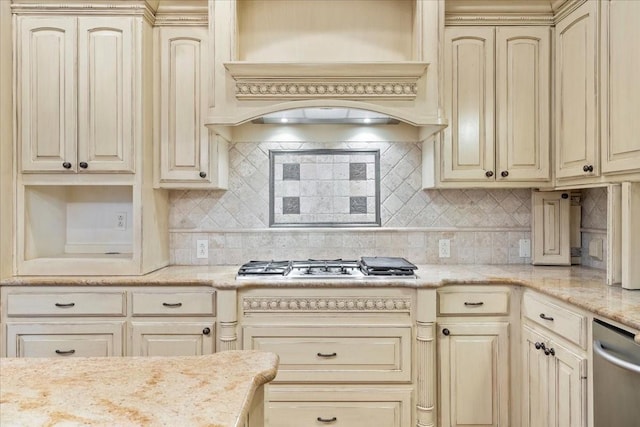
184	139
568	396
46	91
172	338
620	100
535	380
64	339
105	94
523	56
550	228
474	374
576	61
468	146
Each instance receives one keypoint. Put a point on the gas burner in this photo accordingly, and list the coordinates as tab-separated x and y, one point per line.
369	267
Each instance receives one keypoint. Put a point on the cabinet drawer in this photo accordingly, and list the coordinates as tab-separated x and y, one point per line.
290	406
173	303
336	354
347	414
564	322
67	304
64	340
473	302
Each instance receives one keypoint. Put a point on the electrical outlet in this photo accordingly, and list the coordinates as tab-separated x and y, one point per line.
525	248
202	249
444	248
121	221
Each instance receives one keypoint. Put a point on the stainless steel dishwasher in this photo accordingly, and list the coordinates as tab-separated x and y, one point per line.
616	377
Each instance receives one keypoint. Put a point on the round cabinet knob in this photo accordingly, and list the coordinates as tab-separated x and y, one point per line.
446	332
552	351
538	345
203	174
206	331
66	165
565	196
488	174
83	165
587	168
504	174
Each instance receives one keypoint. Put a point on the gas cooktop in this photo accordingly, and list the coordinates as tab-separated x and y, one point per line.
366	267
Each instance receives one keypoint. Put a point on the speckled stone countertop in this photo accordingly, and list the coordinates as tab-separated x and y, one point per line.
580	286
212	390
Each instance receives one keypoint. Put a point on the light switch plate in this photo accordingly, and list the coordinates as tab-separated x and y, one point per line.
525	248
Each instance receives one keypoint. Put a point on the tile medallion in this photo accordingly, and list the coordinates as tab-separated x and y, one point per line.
324	187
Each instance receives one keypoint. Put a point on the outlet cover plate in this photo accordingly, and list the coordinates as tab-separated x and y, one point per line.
202	249
525	248
444	248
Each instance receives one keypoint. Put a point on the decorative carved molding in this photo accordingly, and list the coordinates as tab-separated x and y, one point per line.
426	374
182	20
323	304
283	89
454	19
227	336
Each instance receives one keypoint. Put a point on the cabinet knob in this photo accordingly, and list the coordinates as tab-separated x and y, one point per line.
66	165
446	332
538	345
206	331
564	196
587	168
203	174
83	165
488	174
504	174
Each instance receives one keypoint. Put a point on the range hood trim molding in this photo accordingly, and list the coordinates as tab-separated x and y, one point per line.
430	124
302	70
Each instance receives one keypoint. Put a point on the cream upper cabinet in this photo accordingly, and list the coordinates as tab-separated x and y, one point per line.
75	119
468	147
620	86
188	156
497	83
576	61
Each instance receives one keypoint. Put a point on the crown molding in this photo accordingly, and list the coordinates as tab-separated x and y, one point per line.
84	7
182	13
507	12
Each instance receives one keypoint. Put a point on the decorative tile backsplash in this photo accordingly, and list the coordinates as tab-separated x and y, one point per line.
484	226
324	188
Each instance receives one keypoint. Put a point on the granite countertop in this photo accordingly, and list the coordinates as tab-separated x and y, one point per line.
581	286
211	390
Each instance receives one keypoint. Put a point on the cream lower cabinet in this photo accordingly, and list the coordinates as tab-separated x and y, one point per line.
108	321
554	377
346	355
473	356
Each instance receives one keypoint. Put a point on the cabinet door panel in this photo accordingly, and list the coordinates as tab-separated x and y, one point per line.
522	97
46	55
550	228
474	374
575	93
184	148
535	381
620	85
569	394
172	338
105	89
468	149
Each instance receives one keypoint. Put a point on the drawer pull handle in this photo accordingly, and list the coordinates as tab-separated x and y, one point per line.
327	354
65	352
172	304
66	305
545	317
473	304
327	420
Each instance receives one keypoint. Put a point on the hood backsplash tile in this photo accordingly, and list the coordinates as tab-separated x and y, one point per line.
484	226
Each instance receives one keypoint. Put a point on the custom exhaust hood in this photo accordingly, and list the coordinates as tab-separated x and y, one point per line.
365	61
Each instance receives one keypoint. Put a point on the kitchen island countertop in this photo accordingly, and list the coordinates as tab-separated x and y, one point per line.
581	286
210	390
